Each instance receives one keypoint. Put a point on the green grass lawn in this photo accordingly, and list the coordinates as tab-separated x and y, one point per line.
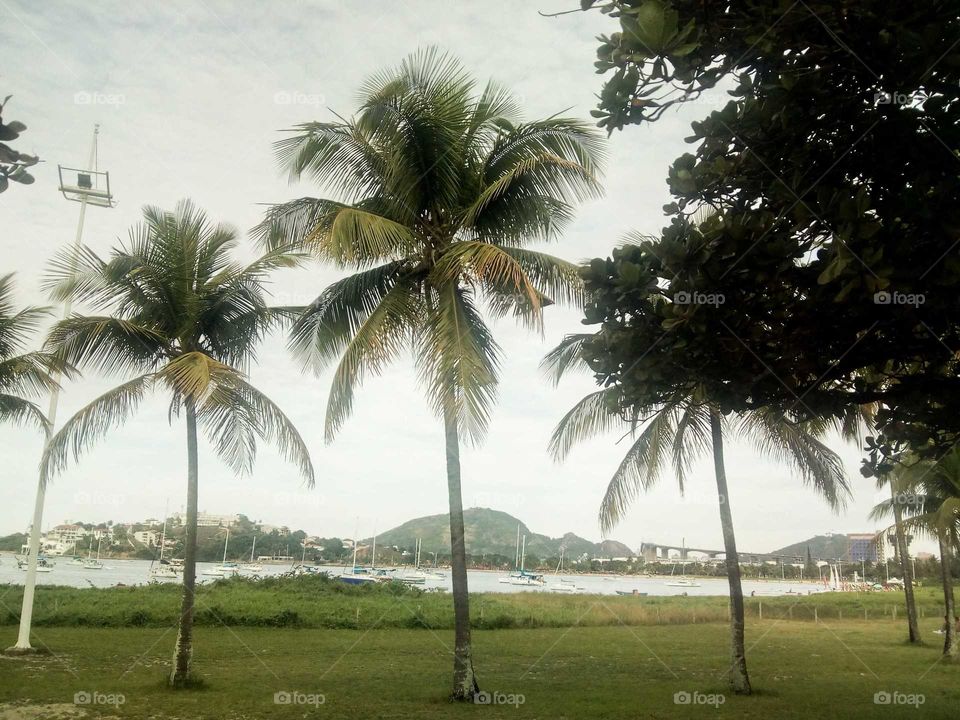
800	669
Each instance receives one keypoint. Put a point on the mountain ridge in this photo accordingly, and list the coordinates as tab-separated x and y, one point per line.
494	532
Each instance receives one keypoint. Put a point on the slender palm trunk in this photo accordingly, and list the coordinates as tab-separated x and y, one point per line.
913	628
951	649
739	679
184	648
464	680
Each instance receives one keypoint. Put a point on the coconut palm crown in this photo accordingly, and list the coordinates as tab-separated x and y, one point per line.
442	193
175	312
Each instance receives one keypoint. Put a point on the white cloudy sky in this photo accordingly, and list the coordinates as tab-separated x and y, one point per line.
187	100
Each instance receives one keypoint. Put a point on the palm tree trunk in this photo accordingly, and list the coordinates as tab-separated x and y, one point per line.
464	680
951	650
180	677
739	679
913	628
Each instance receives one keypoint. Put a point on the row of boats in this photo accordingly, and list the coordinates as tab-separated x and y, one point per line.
46	565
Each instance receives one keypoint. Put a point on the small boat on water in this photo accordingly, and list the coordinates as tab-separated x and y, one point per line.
635	593
165	570
91	563
252	567
43	565
360	575
224	569
682	581
563	584
520	576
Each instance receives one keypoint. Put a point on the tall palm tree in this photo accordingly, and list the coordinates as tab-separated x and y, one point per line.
893	481
178	314
929	494
23	375
441	192
681	432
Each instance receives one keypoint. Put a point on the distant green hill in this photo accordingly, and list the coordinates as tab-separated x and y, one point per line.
821	546
492	532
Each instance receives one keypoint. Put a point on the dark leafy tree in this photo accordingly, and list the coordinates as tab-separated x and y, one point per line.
832	169
13	164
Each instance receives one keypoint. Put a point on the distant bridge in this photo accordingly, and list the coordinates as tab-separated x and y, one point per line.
653	552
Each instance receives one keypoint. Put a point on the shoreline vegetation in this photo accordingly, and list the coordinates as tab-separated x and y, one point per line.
324	603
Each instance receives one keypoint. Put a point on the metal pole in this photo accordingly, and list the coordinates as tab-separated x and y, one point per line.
29	588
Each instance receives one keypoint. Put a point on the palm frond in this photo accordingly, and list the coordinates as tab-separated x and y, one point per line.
91	423
494	270
371	348
106	344
234	414
33	373
194	374
640	468
565	356
591	416
16	410
692	439
458	360
558	279
325	328
338	152
780	439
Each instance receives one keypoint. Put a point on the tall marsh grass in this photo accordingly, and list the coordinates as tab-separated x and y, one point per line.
319	602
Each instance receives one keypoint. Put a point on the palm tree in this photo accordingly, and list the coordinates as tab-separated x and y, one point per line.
178	314
929	493
23	375
442	191
893	481
683	430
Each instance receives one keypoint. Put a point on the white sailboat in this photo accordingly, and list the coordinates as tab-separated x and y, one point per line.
253	567
682	581
91	564
563	584
357	575
521	577
225	569
163	571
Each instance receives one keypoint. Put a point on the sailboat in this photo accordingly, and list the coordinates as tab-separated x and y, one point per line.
682	581
164	570
358	575
252	566
91	564
224	569
521	576
76	560
563	584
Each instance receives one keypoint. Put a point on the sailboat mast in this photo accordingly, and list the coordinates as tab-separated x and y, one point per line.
356	529
373	557
516	554
253	547
523	553
225	543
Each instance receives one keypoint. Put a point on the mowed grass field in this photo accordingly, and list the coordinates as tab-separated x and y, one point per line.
800	669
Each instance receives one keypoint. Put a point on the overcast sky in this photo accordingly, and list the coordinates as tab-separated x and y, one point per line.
189	97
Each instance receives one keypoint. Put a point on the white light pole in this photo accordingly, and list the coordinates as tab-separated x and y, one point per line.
92	187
